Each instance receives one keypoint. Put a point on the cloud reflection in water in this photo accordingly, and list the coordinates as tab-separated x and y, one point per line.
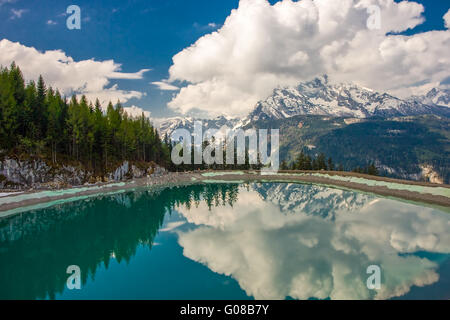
303	241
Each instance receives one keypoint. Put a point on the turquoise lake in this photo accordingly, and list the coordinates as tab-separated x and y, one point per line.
228	241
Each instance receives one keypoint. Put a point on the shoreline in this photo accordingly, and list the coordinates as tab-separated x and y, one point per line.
412	191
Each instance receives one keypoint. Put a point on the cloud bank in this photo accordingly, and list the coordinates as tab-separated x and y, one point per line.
274	253
88	77
262	46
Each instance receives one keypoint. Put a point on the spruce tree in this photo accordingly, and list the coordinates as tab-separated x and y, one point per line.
330	164
41	108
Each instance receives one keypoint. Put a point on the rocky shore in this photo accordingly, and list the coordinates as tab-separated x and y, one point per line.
36	174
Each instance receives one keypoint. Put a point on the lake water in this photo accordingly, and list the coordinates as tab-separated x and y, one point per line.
228	241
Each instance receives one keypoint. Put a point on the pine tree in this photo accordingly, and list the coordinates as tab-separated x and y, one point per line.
54	128
9	111
30	128
40	114
321	164
372	170
330	164
308	163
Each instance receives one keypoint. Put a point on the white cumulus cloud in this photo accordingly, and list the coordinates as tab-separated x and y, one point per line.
261	46
88	77
447	19
136	112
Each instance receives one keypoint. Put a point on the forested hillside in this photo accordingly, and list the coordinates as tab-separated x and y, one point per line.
36	121
399	147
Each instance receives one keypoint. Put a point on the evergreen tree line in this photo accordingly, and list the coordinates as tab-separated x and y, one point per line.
203	166
36	120
305	162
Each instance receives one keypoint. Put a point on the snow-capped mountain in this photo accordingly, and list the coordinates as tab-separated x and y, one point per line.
170	125
440	97
312	199
320	97
436	96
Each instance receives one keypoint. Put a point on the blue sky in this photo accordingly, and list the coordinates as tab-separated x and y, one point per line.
138	34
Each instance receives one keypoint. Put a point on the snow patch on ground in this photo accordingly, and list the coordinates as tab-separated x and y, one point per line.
6	194
49	194
437	191
215	174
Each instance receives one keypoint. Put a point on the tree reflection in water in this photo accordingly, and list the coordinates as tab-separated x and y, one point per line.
37	246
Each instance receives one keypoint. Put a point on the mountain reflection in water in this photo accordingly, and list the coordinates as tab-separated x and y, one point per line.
274	240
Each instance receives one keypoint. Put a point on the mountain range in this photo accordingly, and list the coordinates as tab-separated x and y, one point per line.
170	125
311	200
405	138
437	97
320	97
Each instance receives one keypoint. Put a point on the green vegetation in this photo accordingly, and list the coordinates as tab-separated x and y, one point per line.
371	169
397	147
38	121
204	166
305	162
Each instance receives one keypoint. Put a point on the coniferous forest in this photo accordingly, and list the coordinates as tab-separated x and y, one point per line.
36	120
